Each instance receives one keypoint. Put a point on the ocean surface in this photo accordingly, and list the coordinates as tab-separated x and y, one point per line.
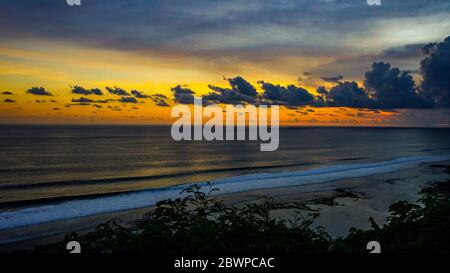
50	173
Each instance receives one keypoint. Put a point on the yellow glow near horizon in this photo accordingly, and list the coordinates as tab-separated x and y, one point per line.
57	67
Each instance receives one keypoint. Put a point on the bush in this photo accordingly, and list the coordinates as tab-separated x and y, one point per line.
199	224
410	228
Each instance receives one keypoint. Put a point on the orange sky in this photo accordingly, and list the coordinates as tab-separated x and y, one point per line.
153	46
57	67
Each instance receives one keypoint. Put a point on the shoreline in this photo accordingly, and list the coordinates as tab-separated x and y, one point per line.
76	208
342	204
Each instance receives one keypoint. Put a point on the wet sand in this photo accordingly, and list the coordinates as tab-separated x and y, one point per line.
342	204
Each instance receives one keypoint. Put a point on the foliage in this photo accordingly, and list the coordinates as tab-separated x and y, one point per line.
200	224
410	228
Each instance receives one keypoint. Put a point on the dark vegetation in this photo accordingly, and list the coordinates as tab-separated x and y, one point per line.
200	224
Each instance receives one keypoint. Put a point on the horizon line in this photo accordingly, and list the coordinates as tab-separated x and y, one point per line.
169	125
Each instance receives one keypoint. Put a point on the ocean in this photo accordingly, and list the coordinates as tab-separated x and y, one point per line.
50	173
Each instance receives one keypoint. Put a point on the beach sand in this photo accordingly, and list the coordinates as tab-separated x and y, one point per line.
342	204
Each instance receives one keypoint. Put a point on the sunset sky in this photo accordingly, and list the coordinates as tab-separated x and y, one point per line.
56	61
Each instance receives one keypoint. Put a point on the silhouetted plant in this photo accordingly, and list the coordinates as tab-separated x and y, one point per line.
199	223
410	228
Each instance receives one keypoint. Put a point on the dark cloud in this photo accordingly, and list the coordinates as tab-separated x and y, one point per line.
96	91
160	100
115	108
128	100
385	87
39	91
161	96
78	104
82	100
162	103
240	85
428	48
7	93
392	88
240	92
333	79
319	101
117	91
87	100
83	91
435	69
227	96
403	52
290	95
9	101
322	90
182	95
348	94
189	28
139	94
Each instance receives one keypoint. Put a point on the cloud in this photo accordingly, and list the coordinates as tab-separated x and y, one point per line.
85	100
240	92
240	85
435	69
322	90
333	79
7	93
160	100
290	95
348	94
403	52
385	87
207	25
162	96
9	101
162	103
428	48
82	100
83	91
39	91
139	94
117	91
78	104
304	77
392	88
114	108
226	96
128	100
182	95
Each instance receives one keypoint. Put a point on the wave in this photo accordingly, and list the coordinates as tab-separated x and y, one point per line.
145	177
145	198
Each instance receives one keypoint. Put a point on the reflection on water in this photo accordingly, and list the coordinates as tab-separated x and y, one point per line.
50	161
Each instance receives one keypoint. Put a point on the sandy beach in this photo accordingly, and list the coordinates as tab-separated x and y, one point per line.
342	204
